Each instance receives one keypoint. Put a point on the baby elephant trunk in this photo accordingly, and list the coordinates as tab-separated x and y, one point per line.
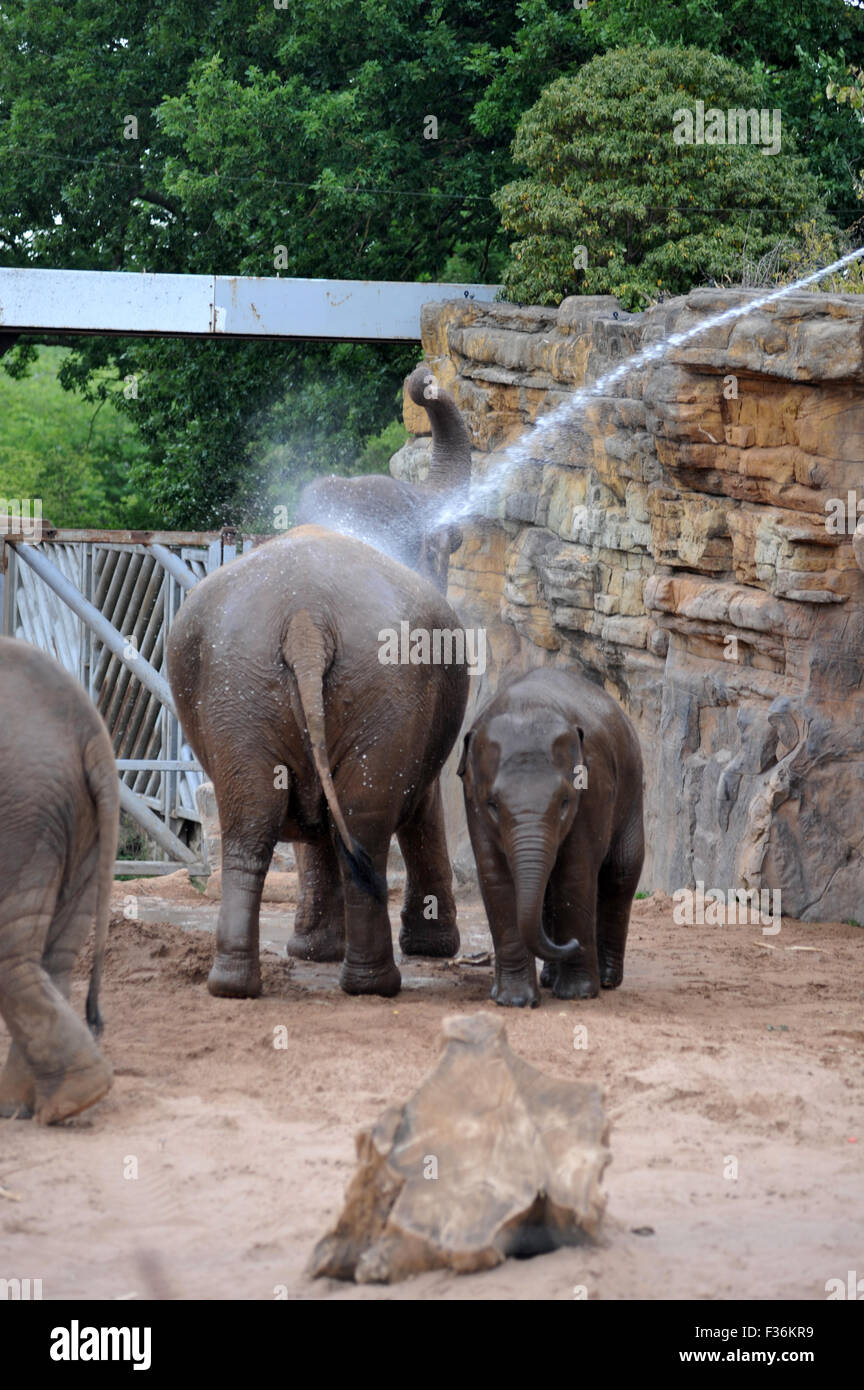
532	859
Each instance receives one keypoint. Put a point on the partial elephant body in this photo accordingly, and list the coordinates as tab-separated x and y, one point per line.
552	778
398	518
387	513
58	842
307	736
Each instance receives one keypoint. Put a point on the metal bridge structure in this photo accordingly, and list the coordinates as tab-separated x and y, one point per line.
219	306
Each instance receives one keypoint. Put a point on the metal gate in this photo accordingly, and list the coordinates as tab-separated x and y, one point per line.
102	603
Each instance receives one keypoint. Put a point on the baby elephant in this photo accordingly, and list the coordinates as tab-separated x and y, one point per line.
58	842
552	777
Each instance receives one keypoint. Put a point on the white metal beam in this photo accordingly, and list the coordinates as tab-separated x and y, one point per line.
102	301
105	301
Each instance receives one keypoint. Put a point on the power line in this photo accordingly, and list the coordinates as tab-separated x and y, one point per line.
316	186
142	171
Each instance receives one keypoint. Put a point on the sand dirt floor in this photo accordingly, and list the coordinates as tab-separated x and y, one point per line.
721	1045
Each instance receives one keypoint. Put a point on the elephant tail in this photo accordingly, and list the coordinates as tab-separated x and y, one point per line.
101	776
307	655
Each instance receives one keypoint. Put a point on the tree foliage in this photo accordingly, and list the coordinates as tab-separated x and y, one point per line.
613	205
260	128
76	457
851	91
304	128
793	48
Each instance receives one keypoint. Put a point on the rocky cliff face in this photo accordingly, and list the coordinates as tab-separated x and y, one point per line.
687	542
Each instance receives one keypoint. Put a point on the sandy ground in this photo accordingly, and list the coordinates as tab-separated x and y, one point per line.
718	1047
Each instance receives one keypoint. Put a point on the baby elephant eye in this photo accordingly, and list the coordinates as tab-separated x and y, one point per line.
492	804
565	806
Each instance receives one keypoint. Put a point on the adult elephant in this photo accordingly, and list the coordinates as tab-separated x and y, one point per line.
58	842
276	666
399	518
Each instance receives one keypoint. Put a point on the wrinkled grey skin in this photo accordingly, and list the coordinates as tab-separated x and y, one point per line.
397	517
558	864
274	664
58	842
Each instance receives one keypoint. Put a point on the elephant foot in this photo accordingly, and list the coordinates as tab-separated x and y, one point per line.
426	938
16	1110
611	976
516	989
62	1096
235	977
356	978
327	943
575	984
17	1087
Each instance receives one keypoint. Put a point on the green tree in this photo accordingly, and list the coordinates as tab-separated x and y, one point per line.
260	128
793	48
305	128
851	91
613	204
75	456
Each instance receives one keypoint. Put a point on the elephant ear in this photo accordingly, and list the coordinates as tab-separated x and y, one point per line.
460	771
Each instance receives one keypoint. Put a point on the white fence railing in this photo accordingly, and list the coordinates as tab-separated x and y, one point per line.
102	603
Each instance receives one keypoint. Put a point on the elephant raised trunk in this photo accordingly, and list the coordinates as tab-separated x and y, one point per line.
531	855
450	467
403	519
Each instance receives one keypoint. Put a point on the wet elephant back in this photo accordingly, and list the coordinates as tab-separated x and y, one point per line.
245	609
35	689
225	657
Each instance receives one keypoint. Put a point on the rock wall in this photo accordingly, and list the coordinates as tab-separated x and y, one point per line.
672	543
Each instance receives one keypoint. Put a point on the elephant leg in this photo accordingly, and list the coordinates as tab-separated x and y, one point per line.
88	1076
619	879
428	886
570	913
319	924
251	820
50	1041
71	924
368	967
17	1086
24	936
515	983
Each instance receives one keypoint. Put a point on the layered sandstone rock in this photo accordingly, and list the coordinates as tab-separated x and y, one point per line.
672	542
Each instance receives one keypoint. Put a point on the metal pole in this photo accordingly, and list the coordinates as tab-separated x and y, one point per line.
10	592
152	824
174	565
114	640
